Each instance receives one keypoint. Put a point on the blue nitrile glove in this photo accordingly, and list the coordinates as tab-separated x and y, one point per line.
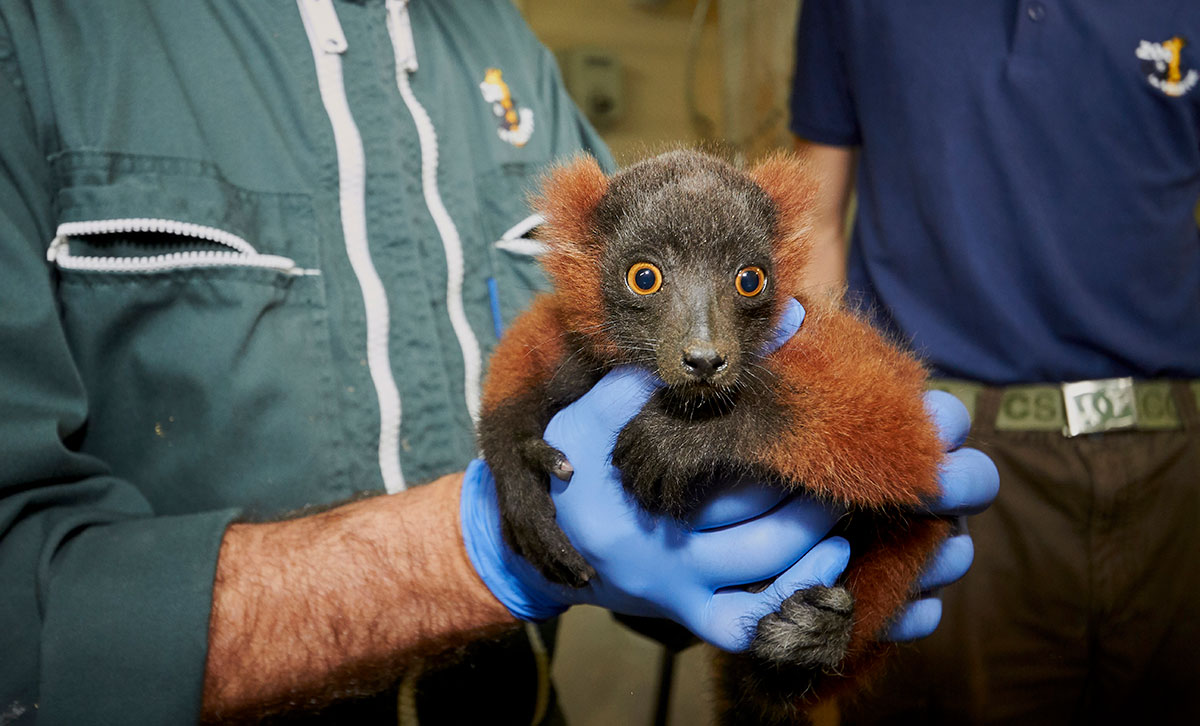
654	565
969	482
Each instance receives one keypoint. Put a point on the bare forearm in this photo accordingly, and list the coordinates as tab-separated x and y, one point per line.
337	603
834	168
826	272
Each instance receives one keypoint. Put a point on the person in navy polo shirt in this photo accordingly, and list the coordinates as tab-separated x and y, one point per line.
1027	175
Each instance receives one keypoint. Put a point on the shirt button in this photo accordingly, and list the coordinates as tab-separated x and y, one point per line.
1036	11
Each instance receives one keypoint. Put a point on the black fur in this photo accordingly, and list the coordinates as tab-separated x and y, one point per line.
522	462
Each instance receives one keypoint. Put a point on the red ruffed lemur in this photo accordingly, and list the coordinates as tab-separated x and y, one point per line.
682	264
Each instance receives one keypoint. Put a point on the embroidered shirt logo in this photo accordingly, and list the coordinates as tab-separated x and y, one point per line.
515	123
1161	63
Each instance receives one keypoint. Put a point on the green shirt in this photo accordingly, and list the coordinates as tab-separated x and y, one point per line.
246	249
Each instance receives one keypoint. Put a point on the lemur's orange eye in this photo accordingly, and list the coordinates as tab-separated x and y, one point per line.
644	278
751	281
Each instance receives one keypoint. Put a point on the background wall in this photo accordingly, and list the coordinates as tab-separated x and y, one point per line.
738	51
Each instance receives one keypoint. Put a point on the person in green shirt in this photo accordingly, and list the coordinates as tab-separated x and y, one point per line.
253	256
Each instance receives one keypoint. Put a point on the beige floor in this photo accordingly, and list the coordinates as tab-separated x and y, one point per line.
608	676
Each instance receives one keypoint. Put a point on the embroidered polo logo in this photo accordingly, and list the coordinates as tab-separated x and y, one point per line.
1161	62
515	123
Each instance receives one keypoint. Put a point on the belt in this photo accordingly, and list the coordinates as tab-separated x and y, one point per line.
1078	407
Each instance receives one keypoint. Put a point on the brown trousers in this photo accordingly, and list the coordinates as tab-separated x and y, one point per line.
1083	603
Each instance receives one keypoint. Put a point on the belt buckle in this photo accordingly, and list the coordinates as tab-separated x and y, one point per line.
1108	404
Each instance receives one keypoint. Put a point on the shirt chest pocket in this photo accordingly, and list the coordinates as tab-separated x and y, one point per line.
197	317
510	231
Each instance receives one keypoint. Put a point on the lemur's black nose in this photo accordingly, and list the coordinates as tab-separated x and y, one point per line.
702	361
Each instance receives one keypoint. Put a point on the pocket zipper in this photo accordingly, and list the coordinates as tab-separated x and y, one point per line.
516	241
240	254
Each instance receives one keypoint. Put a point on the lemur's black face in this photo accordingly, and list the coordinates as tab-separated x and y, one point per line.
688	274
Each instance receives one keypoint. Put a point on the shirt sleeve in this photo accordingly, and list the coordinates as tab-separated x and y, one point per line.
105	606
822	102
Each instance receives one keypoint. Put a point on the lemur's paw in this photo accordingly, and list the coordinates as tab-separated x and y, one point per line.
811	629
549	551
655	479
544	457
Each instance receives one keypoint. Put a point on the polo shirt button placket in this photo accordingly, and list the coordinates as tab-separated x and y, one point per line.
1036	11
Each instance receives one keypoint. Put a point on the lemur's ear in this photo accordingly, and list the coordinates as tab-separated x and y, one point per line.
568	199
790	183
569	195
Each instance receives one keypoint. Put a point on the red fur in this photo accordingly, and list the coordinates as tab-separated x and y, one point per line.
881	578
790	184
568	200
527	355
864	438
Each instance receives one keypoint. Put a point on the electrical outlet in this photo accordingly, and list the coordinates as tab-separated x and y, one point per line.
593	78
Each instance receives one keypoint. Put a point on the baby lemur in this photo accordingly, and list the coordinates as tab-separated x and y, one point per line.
682	264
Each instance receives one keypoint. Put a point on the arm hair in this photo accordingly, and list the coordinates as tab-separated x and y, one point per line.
336	604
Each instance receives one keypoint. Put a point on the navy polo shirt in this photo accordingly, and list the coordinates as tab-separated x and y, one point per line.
1028	177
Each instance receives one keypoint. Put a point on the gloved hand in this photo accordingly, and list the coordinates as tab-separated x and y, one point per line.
654	565
969	482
